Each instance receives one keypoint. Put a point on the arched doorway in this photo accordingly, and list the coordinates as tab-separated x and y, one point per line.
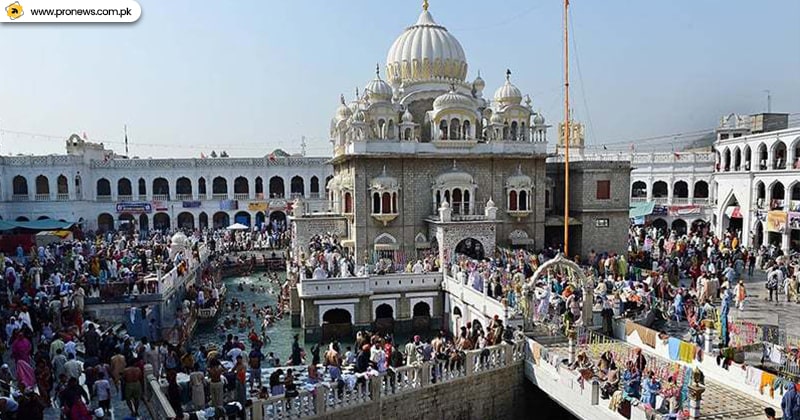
471	247
203	220
161	221
660	224
421	317
43	218
242	217
260	218
127	222
337	324
186	220
22	219
699	225
679	226
144	222
758	234
276	187
105	222
384	318
277	220
732	216
221	220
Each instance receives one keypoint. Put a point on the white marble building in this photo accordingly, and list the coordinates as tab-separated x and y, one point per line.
101	190
758	179
679	184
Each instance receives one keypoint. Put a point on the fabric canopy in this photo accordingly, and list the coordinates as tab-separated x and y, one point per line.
237	226
734	212
45	224
641	209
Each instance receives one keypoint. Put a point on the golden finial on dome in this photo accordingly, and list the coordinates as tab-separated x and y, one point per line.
425	5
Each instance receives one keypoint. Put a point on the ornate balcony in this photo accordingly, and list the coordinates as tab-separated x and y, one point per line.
385	217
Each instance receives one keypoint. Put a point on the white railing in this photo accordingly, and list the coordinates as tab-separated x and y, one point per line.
395	282
184	197
126	197
62	197
680	200
638	199
660	200
20	197
160	197
104	198
219	196
241	196
701	201
42	197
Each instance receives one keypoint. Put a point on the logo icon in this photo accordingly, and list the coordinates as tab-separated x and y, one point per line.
14	10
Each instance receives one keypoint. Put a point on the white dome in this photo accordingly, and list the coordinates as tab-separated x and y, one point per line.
538	119
377	90
479	83
454	178
508	94
359	116
426	51
343	112
384	182
519	181
407	117
453	99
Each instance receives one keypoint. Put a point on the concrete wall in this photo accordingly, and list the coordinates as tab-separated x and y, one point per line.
498	395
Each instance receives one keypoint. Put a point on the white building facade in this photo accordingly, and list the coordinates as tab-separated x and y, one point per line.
93	186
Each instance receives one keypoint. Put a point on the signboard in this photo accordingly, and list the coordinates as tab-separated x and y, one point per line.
776	221
683	210
134	207
159	206
601	223
229	205
660	210
257	206
191	204
277	204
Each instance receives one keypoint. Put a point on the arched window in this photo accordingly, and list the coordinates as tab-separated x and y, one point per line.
465	130
103	188
639	189
523	200
42	185
466	202
660	189
762	157
142	188
737	159
348	203
259	187
219	188
314	187
777	194
183	187
20	185
443	130
62	185
381	129
407	134
241	188
726	159
514	130
276	189
512	200
779	155
701	189
386	203
298	186
376	203
201	187
680	190
457	201
124	188
747	158
390	130
394	202
455	129
160	190
505	130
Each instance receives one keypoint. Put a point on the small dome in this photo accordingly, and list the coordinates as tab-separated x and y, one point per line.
519	180
407	117
377	90
384	182
508	94
343	112
454	178
453	99
490	203
346	182
538	119
478	83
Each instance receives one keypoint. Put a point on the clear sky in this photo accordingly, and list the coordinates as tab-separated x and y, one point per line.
250	76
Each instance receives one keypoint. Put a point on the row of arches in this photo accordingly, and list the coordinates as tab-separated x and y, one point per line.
776	156
185	220
777	194
219	187
337	323
385	203
680	226
660	189
455	129
19	185
460	200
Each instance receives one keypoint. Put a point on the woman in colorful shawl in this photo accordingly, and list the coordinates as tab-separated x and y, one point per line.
21	348
25	374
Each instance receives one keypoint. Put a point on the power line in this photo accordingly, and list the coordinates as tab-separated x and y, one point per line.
580	76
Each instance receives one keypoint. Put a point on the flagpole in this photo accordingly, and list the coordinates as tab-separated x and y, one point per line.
566	130
125	128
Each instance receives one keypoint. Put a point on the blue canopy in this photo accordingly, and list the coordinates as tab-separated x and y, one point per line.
641	209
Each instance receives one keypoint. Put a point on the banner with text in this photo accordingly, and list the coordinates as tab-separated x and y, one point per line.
776	221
